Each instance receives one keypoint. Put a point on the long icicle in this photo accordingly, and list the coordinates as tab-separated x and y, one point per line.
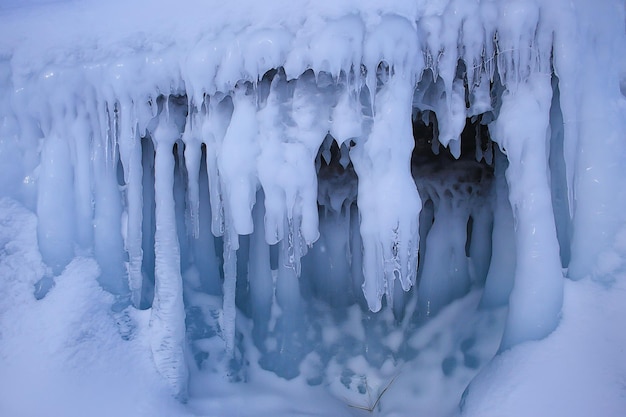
168	313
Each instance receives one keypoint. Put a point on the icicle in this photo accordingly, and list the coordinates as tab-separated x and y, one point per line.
229	310
272	121
193	154
450	110
130	157
167	321
455	147
192	161
203	247
292	128
214	127
237	161
311	113
388	200
346	117
480	97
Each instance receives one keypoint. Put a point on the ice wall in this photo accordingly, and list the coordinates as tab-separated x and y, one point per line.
134	140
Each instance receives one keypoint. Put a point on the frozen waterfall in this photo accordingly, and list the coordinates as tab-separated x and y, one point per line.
298	192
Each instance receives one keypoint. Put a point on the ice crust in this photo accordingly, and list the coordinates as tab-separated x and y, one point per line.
243	106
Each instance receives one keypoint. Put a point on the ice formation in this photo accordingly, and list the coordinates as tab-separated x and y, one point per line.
294	164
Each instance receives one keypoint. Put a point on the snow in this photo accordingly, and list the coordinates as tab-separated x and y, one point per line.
323	208
49	347
577	371
81	357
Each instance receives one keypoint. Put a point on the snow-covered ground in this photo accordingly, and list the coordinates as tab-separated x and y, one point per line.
68	354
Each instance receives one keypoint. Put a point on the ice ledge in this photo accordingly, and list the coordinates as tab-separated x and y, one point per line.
142	49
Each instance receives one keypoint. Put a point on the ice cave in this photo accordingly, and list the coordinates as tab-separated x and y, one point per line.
312	208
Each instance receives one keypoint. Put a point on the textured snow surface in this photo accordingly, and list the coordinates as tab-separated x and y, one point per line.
68	354
75	358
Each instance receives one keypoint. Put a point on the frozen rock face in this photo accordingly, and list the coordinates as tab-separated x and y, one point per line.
319	169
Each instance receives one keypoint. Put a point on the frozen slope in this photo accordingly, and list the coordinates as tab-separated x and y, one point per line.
300	192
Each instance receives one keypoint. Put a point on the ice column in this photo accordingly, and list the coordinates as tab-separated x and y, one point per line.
388	201
522	132
167	322
130	156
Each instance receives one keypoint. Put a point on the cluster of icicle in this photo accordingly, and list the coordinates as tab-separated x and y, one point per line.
262	103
